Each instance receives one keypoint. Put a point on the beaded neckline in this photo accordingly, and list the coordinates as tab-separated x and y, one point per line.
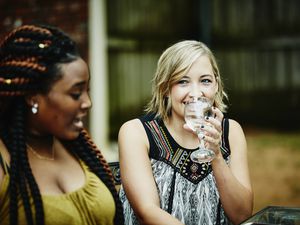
170	152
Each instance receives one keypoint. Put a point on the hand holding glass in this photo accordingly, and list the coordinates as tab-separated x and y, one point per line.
194	115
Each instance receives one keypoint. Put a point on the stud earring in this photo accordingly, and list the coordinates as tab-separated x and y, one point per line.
34	108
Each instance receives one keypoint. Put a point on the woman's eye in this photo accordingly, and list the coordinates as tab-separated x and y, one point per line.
76	96
206	81
183	82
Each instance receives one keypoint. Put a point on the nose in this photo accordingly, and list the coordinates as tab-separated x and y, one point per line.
195	92
86	101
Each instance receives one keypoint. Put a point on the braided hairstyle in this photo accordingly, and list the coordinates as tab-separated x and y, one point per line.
30	62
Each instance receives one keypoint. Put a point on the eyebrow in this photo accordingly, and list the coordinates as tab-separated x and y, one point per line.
203	75
82	82
79	84
209	75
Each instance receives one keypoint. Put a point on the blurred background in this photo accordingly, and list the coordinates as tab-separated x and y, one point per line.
257	46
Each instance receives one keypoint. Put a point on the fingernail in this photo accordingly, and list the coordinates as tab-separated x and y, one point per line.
201	136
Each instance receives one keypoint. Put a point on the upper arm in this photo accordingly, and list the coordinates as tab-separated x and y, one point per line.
239	159
1	175
136	172
5	159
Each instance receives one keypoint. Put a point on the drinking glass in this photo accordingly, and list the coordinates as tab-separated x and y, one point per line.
194	114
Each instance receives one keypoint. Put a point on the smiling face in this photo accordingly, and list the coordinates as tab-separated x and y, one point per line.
198	81
61	110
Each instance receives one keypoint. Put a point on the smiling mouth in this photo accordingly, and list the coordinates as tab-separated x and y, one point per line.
78	123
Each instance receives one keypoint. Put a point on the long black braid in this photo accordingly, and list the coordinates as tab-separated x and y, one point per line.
30	59
19	181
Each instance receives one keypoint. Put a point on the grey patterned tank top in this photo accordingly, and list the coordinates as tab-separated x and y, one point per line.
187	190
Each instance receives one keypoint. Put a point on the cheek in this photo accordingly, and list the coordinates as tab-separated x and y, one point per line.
58	114
64	115
55	118
177	93
216	88
210	91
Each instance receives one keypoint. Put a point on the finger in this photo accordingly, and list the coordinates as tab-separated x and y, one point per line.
211	131
216	123
214	143
217	113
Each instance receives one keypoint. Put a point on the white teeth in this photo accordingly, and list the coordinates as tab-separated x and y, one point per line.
78	123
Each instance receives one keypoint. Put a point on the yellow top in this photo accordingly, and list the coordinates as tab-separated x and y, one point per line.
90	205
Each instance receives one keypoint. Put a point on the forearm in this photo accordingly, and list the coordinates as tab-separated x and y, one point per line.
236	199
153	215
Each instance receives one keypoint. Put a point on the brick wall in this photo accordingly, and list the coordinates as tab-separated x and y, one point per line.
69	15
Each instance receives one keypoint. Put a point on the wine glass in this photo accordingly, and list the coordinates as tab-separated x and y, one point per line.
194	114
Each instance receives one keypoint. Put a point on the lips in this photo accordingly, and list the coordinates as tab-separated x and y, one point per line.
78	123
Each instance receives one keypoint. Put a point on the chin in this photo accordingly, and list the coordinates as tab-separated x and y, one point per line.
70	136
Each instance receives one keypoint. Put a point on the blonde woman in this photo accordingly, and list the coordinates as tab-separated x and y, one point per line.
160	184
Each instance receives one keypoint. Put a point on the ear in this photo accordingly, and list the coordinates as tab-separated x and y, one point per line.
216	87
168	94
31	99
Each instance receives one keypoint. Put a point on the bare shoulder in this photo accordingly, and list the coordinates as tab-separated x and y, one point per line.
3	152
234	124
235	128
5	157
131	125
132	128
236	137
133	131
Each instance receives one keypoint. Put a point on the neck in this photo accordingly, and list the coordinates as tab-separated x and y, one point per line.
42	147
176	125
183	137
36	135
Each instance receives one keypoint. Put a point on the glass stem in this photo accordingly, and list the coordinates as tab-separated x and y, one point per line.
201	141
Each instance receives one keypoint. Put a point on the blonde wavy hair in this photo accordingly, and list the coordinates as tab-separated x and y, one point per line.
172	65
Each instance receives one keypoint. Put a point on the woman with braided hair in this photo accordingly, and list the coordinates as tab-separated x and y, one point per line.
50	170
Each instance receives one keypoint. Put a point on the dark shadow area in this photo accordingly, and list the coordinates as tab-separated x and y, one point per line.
267	109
